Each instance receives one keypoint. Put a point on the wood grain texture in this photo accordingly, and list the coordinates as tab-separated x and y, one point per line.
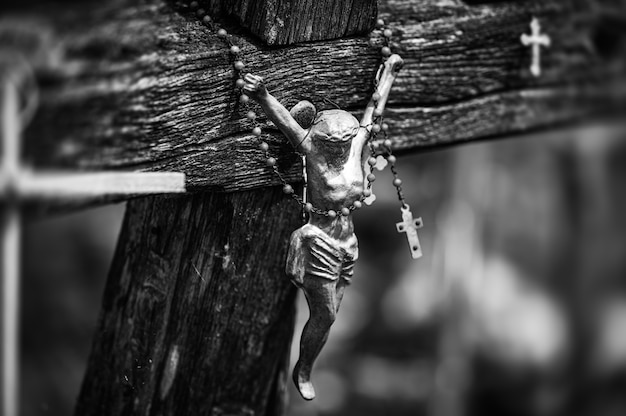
144	87
197	314
287	22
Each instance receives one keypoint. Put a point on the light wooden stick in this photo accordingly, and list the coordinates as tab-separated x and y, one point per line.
51	185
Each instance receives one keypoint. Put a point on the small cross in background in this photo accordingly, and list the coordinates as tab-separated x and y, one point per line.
536	39
410	227
17	183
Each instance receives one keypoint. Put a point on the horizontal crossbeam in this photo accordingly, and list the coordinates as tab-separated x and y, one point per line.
149	88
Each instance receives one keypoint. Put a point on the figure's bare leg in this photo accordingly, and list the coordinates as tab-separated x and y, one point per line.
341	287
346	275
321	295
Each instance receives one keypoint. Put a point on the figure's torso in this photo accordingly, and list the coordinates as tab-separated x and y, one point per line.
336	181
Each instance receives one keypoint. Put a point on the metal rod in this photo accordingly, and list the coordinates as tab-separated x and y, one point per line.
10	311
10	254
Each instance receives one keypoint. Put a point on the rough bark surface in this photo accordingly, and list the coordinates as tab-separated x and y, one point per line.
146	87
197	315
288	22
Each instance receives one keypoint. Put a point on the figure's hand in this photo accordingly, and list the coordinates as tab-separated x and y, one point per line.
390	68
254	87
395	62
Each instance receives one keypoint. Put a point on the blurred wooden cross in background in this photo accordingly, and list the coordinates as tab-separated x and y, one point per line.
536	39
17	183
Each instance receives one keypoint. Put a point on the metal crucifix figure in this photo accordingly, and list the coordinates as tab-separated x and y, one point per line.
323	251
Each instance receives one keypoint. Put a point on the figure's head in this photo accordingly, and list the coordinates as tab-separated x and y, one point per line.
330	131
335	126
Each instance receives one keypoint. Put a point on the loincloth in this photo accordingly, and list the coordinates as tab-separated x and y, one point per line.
313	253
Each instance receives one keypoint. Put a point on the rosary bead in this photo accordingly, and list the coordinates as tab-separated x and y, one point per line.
239	65
331	213
376	96
240	83
308	207
391	159
345	211
251	115
264	146
222	33
207	19
385	51
380	23
288	189
397	182
385	127
256	131
371	177
271	161
387	143
200	12
387	33
371	161
357	204
376	128
243	99
193	4
366	192
378	112
235	49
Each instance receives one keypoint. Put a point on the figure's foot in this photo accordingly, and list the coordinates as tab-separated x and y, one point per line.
302	380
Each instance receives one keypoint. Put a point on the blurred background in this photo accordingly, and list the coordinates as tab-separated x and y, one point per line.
518	306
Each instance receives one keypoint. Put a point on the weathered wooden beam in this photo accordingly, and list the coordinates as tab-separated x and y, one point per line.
197	314
284	22
149	88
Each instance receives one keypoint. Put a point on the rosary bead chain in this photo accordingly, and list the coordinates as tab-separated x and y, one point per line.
379	124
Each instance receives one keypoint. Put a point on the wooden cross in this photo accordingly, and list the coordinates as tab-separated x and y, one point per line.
410	226
536	39
17	182
163	79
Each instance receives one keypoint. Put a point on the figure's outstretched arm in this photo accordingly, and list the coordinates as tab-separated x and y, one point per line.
274	110
390	70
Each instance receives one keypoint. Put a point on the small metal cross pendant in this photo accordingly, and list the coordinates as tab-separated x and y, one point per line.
410	227
536	39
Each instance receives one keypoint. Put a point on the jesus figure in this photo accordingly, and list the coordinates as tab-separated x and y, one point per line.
323	251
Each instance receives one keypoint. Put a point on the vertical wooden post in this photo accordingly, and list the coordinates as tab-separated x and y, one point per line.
198	314
286	22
